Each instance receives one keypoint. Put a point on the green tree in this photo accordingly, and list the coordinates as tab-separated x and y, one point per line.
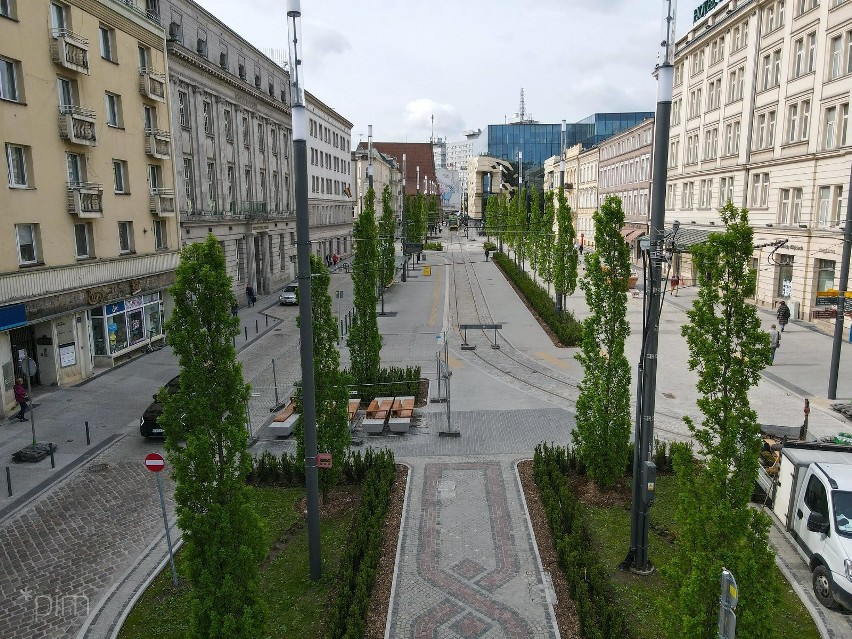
603	407
491	216
510	231
412	222
330	389
364	341
535	238
432	213
565	255
206	443
387	230
716	527
545	248
502	218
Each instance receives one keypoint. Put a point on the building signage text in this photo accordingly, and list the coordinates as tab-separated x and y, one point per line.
703	9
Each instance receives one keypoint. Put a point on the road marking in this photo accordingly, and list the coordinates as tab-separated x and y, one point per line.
547	357
456	363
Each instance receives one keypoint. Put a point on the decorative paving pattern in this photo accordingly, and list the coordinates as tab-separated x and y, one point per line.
467	563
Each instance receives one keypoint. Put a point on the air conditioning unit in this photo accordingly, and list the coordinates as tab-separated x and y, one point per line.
174	31
223	60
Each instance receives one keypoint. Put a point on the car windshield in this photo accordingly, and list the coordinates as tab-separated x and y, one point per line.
290	288
843	512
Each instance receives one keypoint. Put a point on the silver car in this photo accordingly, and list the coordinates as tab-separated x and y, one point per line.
289	295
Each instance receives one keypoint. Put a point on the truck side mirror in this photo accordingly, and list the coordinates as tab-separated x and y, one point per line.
817	523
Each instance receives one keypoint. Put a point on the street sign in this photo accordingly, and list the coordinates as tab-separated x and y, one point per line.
410	248
323	460
154	462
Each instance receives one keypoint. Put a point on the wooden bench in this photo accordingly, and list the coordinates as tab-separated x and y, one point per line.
354	405
401	413
376	415
283	423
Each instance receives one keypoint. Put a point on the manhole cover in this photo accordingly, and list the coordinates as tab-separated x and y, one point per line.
98	468
669	395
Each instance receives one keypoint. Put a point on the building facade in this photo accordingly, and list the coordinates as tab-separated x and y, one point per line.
587	196
458	154
89	234
486	177
624	170
386	172
760	117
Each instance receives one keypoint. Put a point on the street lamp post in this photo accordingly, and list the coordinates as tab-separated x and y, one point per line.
303	251
561	191
404	223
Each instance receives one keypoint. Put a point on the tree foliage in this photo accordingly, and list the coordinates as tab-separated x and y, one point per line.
364	341
535	237
206	443
545	246
603	407
387	231
491	216
565	256
330	388
728	349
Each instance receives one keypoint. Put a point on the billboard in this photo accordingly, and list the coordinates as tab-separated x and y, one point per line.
449	184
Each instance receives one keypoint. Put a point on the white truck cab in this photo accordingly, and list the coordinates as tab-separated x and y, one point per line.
812	499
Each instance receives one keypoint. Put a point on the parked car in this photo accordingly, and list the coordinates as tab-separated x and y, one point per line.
148	426
290	295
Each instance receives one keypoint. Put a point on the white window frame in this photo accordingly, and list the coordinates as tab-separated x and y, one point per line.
161	235
86	237
10	88
18	153
211	185
113	110
125	244
106	42
33	231
120	183
207	108
183	109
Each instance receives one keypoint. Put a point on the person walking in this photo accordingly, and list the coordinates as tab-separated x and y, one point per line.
774	342
21	397
250	298
675	283
783	314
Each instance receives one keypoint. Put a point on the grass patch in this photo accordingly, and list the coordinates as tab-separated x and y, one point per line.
644	599
296	605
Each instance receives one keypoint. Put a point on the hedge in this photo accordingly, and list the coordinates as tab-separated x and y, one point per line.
433	246
390	382
567	329
287	472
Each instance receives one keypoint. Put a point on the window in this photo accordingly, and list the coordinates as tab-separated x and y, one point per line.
154	177
231	178
144	57
759	190
187	183
691	149
83	240
773	16
183	109
711	142
113	109
811	52
261	196
764	131
686	195
106	39
245	131
273	141
697	63
805	5
9	86
160	235
16	160
770	69
229	126
796	210
726	190
717	50
835	57
837	205
835	126
208	117
76	169
678	74
260	138
211	185
67	91
58	15
825	275
785	276
276	195
736	83
815	497
695	103
149	116
732	138
714	94
119	170
125	237
248	182
26	236
784	207
705	194
798	117
7	8
670	196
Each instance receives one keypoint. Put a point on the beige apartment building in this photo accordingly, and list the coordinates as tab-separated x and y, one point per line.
760	116
88	233
624	170
386	172
587	196
486	177
552	177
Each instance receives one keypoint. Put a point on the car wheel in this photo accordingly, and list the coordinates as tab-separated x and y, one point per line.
822	586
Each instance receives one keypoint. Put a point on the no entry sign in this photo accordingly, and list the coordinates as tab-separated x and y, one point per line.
154	462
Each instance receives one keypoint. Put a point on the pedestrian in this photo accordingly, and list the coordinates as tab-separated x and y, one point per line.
335	259
328	260
774	342
675	283
581	248
235	309
21	397
783	314
250	298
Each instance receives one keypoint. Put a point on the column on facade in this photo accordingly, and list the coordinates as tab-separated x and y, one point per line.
221	163
198	158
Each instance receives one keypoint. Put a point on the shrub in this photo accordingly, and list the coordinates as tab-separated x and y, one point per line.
390	382
433	246
567	329
287	472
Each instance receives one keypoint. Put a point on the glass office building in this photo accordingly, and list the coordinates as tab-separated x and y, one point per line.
537	142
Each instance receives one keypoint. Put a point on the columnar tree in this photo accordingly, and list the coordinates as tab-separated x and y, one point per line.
545	248
206	443
422	217
364	341
387	229
525	241
565	254
491	216
512	222
602	434
432	213
535	238
330	391
716	527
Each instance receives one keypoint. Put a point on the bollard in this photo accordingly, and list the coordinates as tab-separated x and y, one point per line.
9	480
275	382
234	341
245	330
88	439
267	319
52	461
256	326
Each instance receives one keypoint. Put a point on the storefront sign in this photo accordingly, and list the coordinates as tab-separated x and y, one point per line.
827	250
703	9
112	309
831	298
260	227
116	290
12	316
794	247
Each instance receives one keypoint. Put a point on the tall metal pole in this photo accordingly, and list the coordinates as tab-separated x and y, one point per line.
841	299
561	191
369	156
637	558
404	223
303	251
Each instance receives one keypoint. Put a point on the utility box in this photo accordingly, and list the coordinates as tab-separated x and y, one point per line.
794	309
649	482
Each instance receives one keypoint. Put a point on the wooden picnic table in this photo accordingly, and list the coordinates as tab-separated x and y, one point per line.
354	405
403	407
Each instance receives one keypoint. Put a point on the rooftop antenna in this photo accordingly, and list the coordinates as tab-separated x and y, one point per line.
522	111
432	139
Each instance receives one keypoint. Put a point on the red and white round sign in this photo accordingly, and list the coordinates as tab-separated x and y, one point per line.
154	462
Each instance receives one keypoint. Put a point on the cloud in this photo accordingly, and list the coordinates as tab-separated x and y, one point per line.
418	117
325	42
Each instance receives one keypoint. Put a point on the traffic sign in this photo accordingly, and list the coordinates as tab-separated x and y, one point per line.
410	248
154	462
323	460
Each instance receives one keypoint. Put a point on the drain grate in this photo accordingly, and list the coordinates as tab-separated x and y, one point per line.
669	395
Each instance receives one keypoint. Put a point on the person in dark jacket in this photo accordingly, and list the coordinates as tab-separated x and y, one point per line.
250	297
21	397
783	314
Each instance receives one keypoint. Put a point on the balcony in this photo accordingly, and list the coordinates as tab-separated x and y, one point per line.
77	125
158	143
252	210
152	84
85	199
163	202
70	50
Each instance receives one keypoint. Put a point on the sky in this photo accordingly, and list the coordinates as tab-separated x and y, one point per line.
395	63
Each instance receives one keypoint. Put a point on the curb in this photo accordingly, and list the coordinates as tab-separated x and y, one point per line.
396	561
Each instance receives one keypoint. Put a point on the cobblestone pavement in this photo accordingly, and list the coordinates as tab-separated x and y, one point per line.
467	565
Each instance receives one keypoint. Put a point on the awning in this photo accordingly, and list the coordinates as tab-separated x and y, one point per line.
684	240
631	234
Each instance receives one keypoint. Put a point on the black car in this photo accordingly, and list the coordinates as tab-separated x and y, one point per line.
148	426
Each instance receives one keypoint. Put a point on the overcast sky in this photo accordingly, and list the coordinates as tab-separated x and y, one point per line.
394	63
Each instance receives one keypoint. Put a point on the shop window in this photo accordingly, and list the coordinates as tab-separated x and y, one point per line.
785	276
825	275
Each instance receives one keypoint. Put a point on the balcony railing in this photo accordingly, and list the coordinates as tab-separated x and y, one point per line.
70	50
152	84
158	143
85	199
77	125
163	202
254	209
